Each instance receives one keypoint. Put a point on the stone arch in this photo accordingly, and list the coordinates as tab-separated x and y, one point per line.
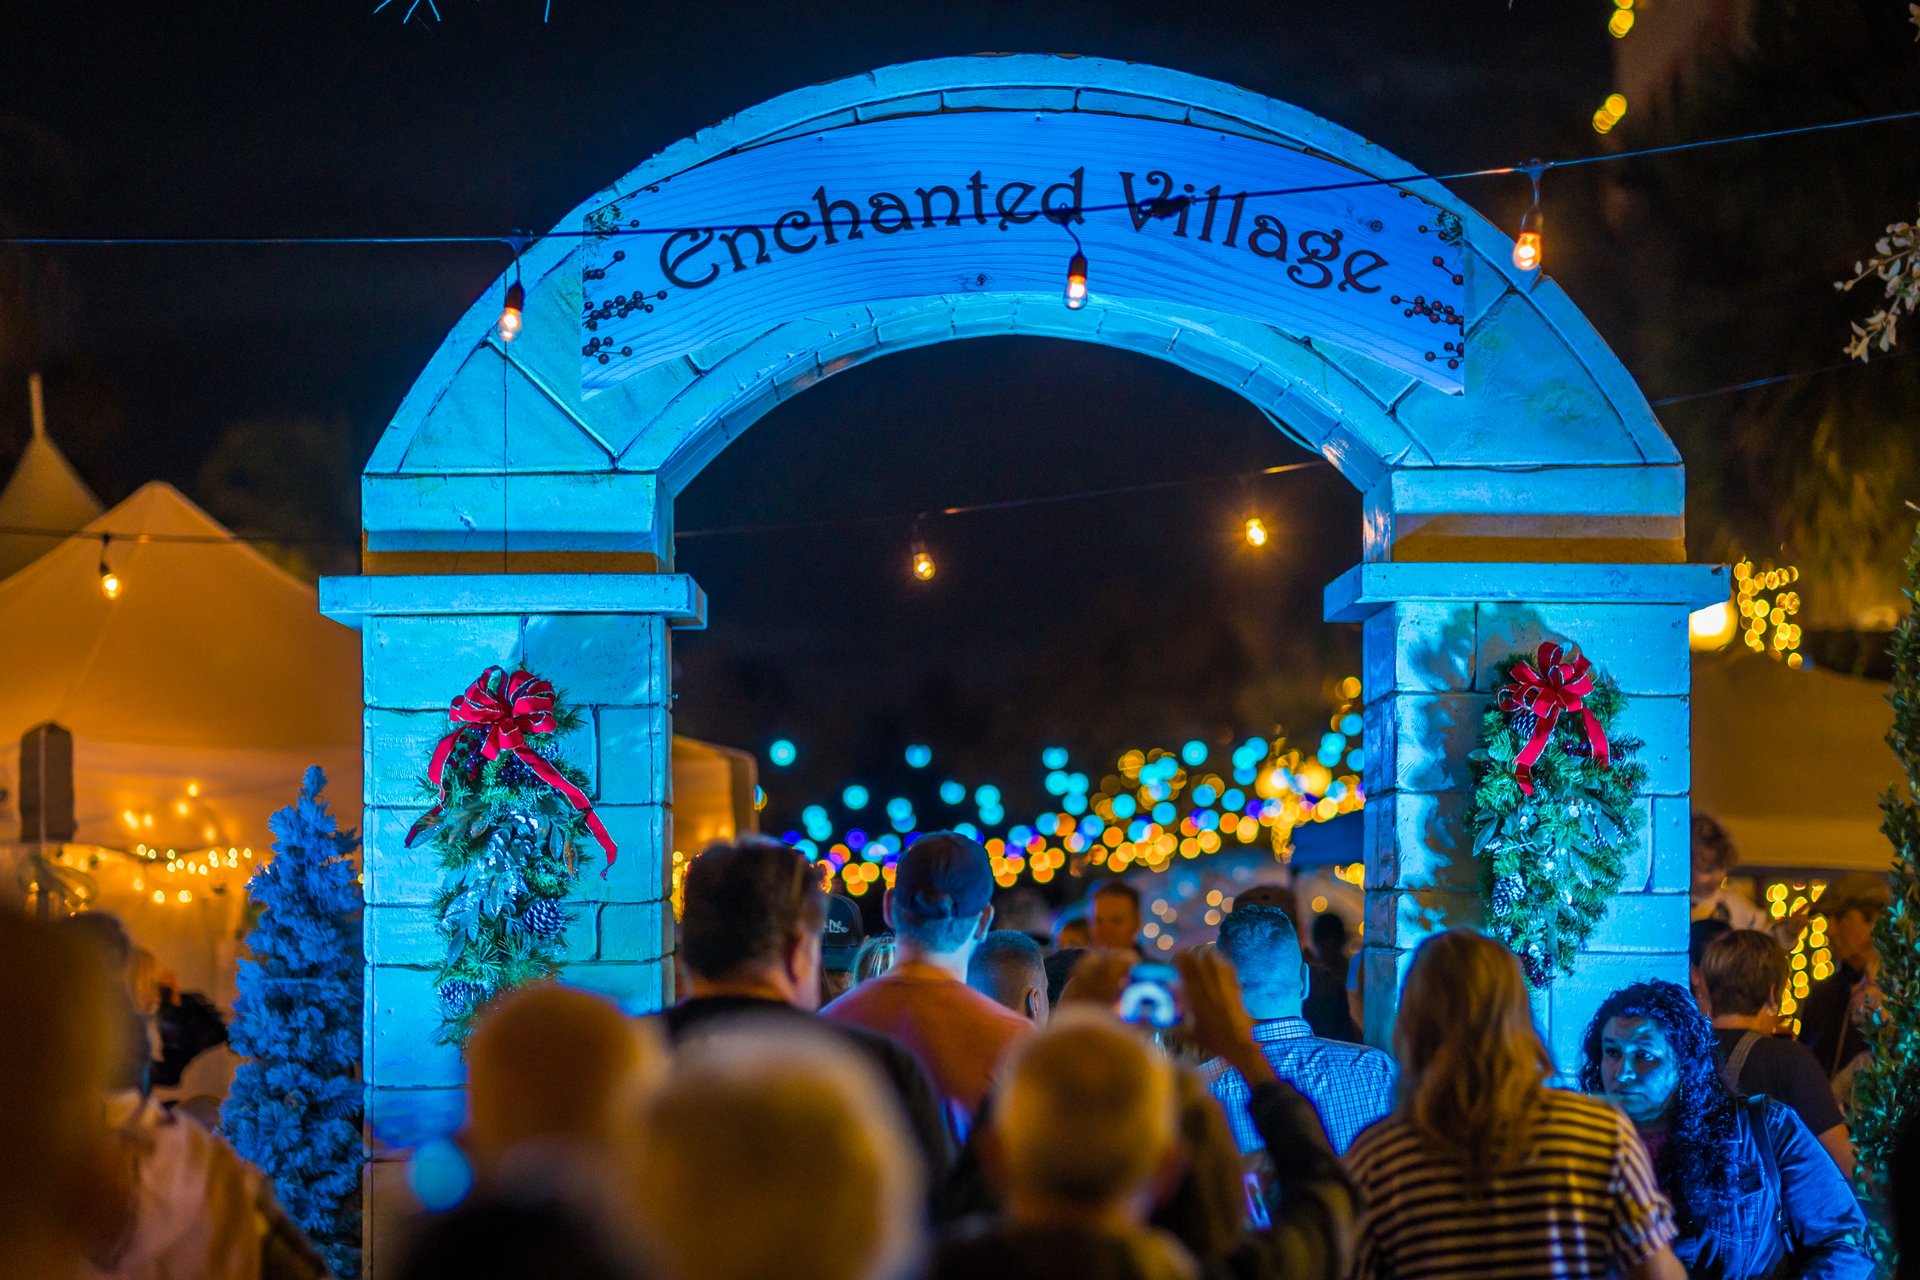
509	517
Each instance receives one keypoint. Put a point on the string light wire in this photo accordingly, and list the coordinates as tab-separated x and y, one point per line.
1543	166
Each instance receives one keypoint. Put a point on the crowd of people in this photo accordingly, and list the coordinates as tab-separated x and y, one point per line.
950	1100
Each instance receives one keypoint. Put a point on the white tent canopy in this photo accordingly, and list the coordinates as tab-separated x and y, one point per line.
45	492
1792	763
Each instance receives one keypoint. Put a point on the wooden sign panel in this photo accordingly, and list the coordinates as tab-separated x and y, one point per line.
981	203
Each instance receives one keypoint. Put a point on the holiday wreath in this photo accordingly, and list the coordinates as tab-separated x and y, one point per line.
1553	812
508	819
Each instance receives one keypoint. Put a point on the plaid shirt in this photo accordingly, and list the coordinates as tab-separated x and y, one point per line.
1350	1085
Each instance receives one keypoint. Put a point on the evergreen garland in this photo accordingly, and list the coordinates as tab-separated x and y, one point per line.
507	843
1887	1088
295	1107
1550	862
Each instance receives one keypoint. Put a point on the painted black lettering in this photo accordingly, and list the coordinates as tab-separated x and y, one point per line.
1313	260
827	210
1142	211
732	240
1009	213
1270	229
978	186
887	203
800	220
1233	223
1353	271
926	194
1067	211
1213	207
670	261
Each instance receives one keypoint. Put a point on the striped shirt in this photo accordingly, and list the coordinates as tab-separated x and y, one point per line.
1584	1203
1350	1085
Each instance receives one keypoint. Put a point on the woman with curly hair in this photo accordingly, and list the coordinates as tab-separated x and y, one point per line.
1754	1193
1482	1170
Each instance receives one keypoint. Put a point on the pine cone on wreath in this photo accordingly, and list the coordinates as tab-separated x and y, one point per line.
1507	894
457	995
545	919
1524	722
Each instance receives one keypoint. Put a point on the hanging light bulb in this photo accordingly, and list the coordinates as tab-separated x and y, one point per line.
109	580
1528	247
1076	295
509	323
1257	534
923	566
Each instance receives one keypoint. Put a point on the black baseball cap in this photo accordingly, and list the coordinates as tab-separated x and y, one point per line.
843	933
943	876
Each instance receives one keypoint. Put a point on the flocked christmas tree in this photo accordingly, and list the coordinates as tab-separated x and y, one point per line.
295	1106
1887	1091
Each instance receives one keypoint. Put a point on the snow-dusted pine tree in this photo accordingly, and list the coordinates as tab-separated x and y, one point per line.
296	1102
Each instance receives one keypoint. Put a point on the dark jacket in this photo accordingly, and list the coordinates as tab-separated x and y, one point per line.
912	1086
1741	1237
1312	1213
1825	1024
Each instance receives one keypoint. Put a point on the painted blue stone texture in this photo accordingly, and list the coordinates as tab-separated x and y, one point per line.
1550	429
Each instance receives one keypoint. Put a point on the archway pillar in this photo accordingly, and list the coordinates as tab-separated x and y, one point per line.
1433	633
604	640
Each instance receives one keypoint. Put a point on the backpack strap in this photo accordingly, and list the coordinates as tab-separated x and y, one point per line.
1737	1062
1757	1121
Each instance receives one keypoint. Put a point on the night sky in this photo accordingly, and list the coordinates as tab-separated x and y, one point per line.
1102	624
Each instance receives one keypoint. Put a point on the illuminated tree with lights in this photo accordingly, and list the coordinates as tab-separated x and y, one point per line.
1888	1088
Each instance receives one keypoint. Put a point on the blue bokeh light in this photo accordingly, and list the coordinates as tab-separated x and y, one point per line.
919	755
855	797
782	753
1195	752
952	792
439	1175
1054	757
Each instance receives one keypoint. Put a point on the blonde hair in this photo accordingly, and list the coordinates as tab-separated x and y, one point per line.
1473	1071
1087	1111
531	1039
776	1154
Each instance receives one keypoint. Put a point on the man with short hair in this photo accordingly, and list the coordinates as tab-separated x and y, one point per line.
1851	904
1007	967
1745	973
939	908
1114	921
750	939
1350	1085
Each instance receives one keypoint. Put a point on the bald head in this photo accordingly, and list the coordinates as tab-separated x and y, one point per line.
552	1065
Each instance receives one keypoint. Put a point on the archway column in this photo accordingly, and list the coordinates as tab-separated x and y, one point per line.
1433	633
604	640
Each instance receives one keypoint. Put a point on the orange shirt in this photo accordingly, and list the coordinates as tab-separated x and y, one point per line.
958	1033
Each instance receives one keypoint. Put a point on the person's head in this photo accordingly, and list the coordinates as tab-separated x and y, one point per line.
1265	953
753	911
1073	933
502	1236
776	1155
1852	905
1329	937
1652	1053
1700	934
537	1034
1473	1070
840	941
1086	1115
1114	918
62	998
1008	967
941	903
1713	855
106	940
874	958
1060	967
1744	972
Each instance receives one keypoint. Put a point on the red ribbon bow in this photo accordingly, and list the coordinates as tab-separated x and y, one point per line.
522	706
1559	680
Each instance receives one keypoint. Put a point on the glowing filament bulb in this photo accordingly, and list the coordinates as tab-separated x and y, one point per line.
1256	531
1076	295
923	567
509	325
109	583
